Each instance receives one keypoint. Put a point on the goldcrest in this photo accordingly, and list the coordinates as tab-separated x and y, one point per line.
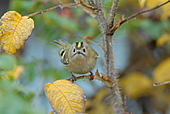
78	58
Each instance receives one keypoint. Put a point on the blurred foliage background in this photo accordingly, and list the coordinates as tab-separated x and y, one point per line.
142	57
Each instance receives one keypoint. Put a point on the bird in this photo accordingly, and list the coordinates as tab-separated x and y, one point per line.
78	58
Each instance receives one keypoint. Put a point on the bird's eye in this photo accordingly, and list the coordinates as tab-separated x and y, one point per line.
74	50
84	50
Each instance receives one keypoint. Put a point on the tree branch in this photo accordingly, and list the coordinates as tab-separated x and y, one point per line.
87	5
97	76
116	98
144	11
113	11
117	25
99	4
52	8
122	20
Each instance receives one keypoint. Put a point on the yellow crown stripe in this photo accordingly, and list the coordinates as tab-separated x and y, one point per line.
79	44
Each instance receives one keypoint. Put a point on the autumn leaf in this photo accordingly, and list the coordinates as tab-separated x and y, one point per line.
65	97
15	73
162	72
136	84
142	3
166	12
162	40
150	3
14	31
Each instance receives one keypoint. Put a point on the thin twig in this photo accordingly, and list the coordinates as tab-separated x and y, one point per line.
113	11
87	5
52	8
161	83
41	83
144	11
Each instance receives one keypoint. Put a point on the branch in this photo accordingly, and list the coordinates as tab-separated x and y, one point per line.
87	5
117	25
102	22
122	20
144	11
53	8
116	98
97	76
99	4
90	9
113	11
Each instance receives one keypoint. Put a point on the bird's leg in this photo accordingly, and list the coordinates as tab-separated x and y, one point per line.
73	77
91	75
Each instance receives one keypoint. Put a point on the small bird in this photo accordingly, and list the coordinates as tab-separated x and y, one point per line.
78	58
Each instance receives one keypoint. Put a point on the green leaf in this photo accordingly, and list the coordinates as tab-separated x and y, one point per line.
7	62
14	99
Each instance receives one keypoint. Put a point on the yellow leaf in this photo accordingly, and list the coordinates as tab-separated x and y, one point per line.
136	84
162	40
153	3
14	30
166	12
142	3
65	97
150	3
162	72
15	73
